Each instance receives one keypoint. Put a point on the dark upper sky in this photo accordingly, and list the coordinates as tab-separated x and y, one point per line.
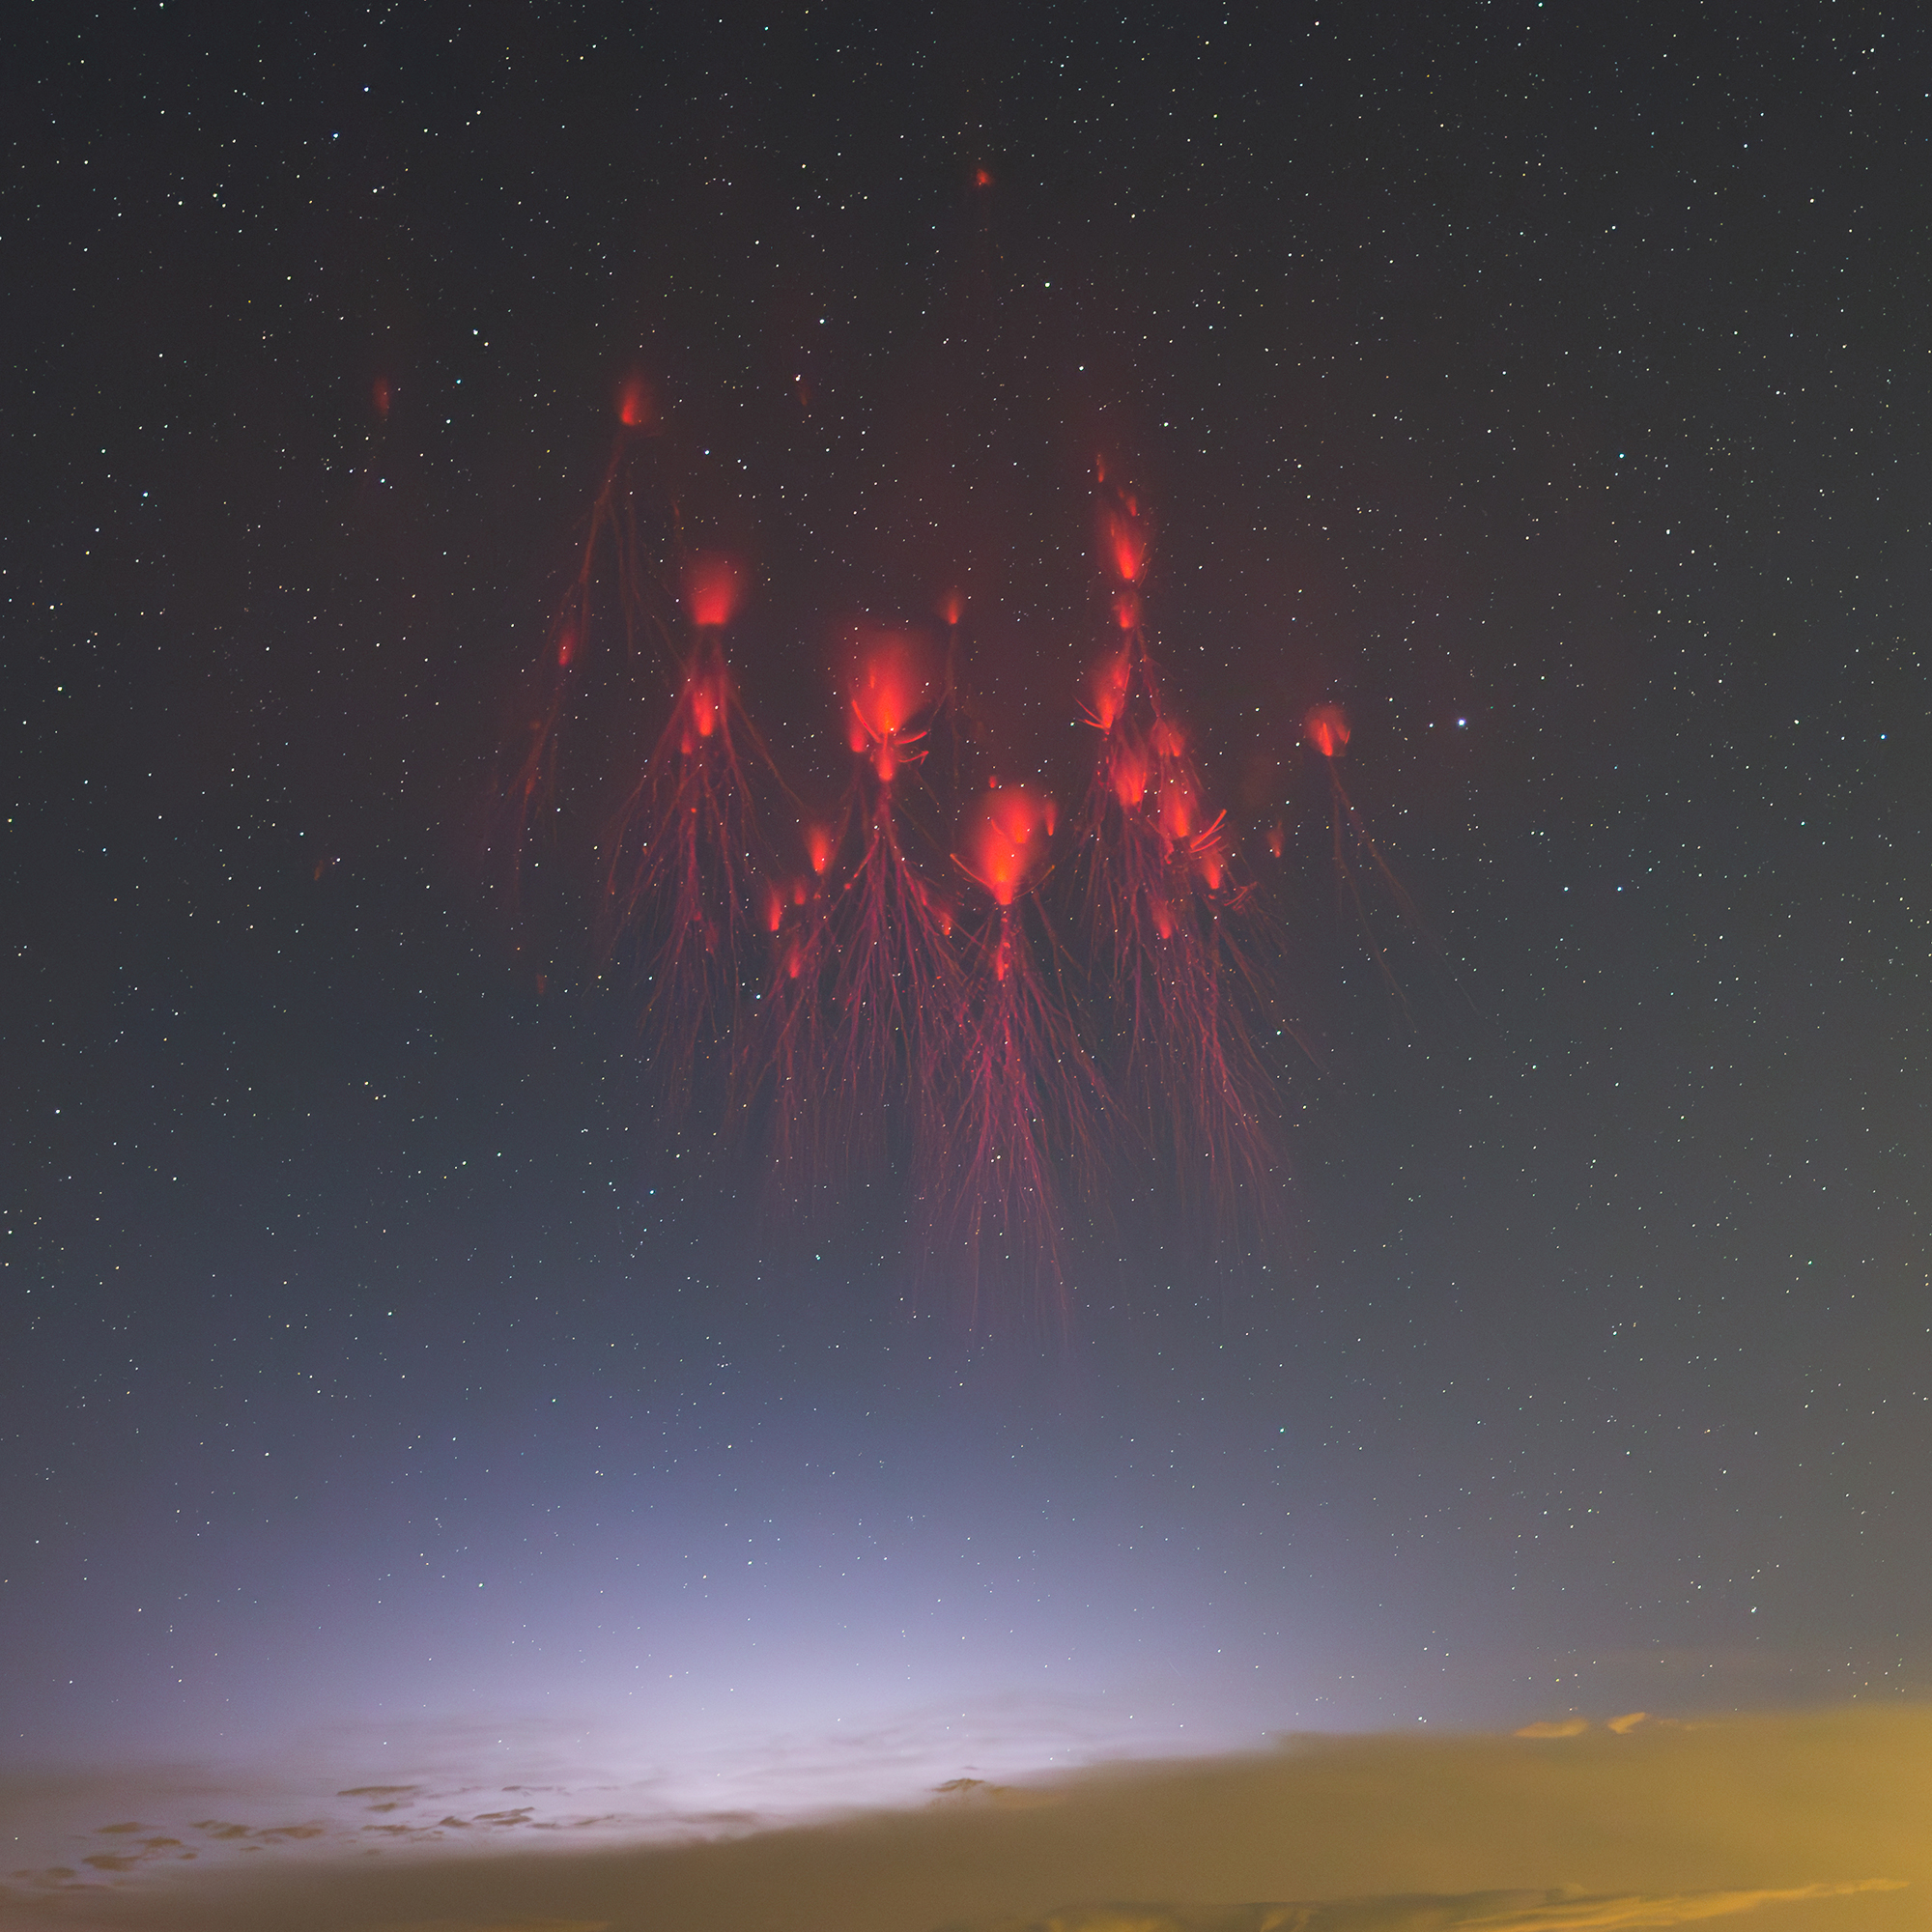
1548	384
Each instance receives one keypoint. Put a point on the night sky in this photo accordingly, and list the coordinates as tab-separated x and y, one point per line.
393	1377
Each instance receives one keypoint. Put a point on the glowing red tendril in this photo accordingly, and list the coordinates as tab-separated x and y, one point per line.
1209	850
1128	773
706	697
1177	803
1112	676
1123	538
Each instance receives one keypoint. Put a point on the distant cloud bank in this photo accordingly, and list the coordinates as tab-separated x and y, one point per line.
1812	1822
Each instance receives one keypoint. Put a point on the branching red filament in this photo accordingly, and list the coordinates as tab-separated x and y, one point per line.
1011	1018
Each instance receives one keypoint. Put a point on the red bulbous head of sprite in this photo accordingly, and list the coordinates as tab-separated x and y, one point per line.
636	407
889	687
713	588
1124	539
1327	727
1007	840
1112	676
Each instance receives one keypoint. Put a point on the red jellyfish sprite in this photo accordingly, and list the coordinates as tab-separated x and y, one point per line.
1162	915
781	1055
678	891
610	569
891	983
1022	1100
1327	730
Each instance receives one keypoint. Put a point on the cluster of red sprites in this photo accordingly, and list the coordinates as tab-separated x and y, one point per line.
1026	1019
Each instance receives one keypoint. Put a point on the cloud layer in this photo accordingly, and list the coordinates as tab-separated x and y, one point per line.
1810	1823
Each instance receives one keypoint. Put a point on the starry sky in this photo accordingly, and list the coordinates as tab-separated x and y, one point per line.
390	1374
